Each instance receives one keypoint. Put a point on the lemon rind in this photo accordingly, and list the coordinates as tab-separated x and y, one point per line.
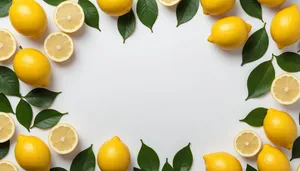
255	152
13	128
169	4
9	163
14	47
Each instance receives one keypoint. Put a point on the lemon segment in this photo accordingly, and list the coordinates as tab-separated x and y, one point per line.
63	138
7	127
169	2
247	143
7	166
8	44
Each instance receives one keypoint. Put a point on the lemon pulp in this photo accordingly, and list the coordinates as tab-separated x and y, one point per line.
7	166
169	2
7	45
247	143
7	127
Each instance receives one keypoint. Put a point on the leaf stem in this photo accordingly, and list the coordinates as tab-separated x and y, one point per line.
264	23
21	47
273	56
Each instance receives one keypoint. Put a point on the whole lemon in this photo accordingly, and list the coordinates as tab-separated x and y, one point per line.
115	7
271	3
271	158
32	67
285	27
221	161
230	32
216	7
28	18
114	155
32	154
280	128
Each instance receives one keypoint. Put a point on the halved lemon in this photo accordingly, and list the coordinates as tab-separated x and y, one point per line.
7	127
298	169
7	166
8	44
59	46
63	138
169	2
69	16
286	89
247	143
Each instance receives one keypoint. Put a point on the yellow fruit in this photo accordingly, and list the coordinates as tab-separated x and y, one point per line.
114	155
28	18
115	7
169	3
221	161
272	159
272	3
247	143
32	154
7	166
285	27
7	127
32	67
8	44
298	169
280	128
216	7
230	32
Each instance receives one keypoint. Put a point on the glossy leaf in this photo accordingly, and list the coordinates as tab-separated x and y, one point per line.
148	159
167	166
54	2
256	117
41	97
4	149
126	25
183	160
252	8
58	169
47	119
5	105
296	149
147	12
289	61
91	13
136	169
250	168
9	83
186	10
24	114
84	161
4	7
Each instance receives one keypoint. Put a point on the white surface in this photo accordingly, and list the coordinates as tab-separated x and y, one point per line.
168	88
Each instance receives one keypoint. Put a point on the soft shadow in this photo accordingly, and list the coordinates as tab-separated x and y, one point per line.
39	41
233	53
74	153
80	32
67	63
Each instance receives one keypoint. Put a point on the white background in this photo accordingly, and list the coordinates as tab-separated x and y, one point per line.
168	88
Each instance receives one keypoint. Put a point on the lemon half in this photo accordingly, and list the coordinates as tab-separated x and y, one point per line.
8	44
247	143
298	169
7	166
169	2
7	127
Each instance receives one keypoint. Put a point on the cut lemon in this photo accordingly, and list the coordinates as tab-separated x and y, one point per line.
8	44
7	127
286	89
7	166
59	46
298	169
63	138
169	2
247	143
69	16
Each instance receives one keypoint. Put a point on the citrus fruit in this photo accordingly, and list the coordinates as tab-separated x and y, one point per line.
169	2
7	166
280	128
271	158
216	7
229	32
69	16
8	44
247	143
59	46
271	3
7	127
298	169
115	7
63	138
285	89
28	18
32	153
112	152
221	161
285	26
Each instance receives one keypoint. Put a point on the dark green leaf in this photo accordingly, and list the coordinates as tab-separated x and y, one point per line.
5	105
250	168
167	167
24	114
4	7
252	8
148	159
4	148
256	117
126	25
136	169
54	2
289	61
147	12
9	83
260	79
47	119
183	160
41	97
296	149
186	10
58	169
91	13
84	161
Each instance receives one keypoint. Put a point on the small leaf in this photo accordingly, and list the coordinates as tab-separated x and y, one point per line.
54	2
186	10
47	119
250	168
260	79
289	61
91	13
147	12
256	117
4	7
41	97
183	160
167	167
5	105
24	114
58	169
84	161
296	149
4	148
148	159
126	25
9	83
252	8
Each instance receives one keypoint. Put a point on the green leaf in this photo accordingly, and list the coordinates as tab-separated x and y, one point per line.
91	13
4	149
250	168
289	61
183	160
186	10
167	166
126	25
54	2
5	105
9	83
47	119
4	7
24	114
296	149
148	159
260	79
58	169
136	169
84	161
256	46
41	97
147	12
256	117
252	8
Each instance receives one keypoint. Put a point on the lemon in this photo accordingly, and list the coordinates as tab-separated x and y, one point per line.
8	44
221	161
216	7
114	155
69	16
7	166
169	2
271	158
285	27
230	32
280	128
247	143
63	138
26	64
115	7
28	18
32	154
7	127
298	169
272	3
